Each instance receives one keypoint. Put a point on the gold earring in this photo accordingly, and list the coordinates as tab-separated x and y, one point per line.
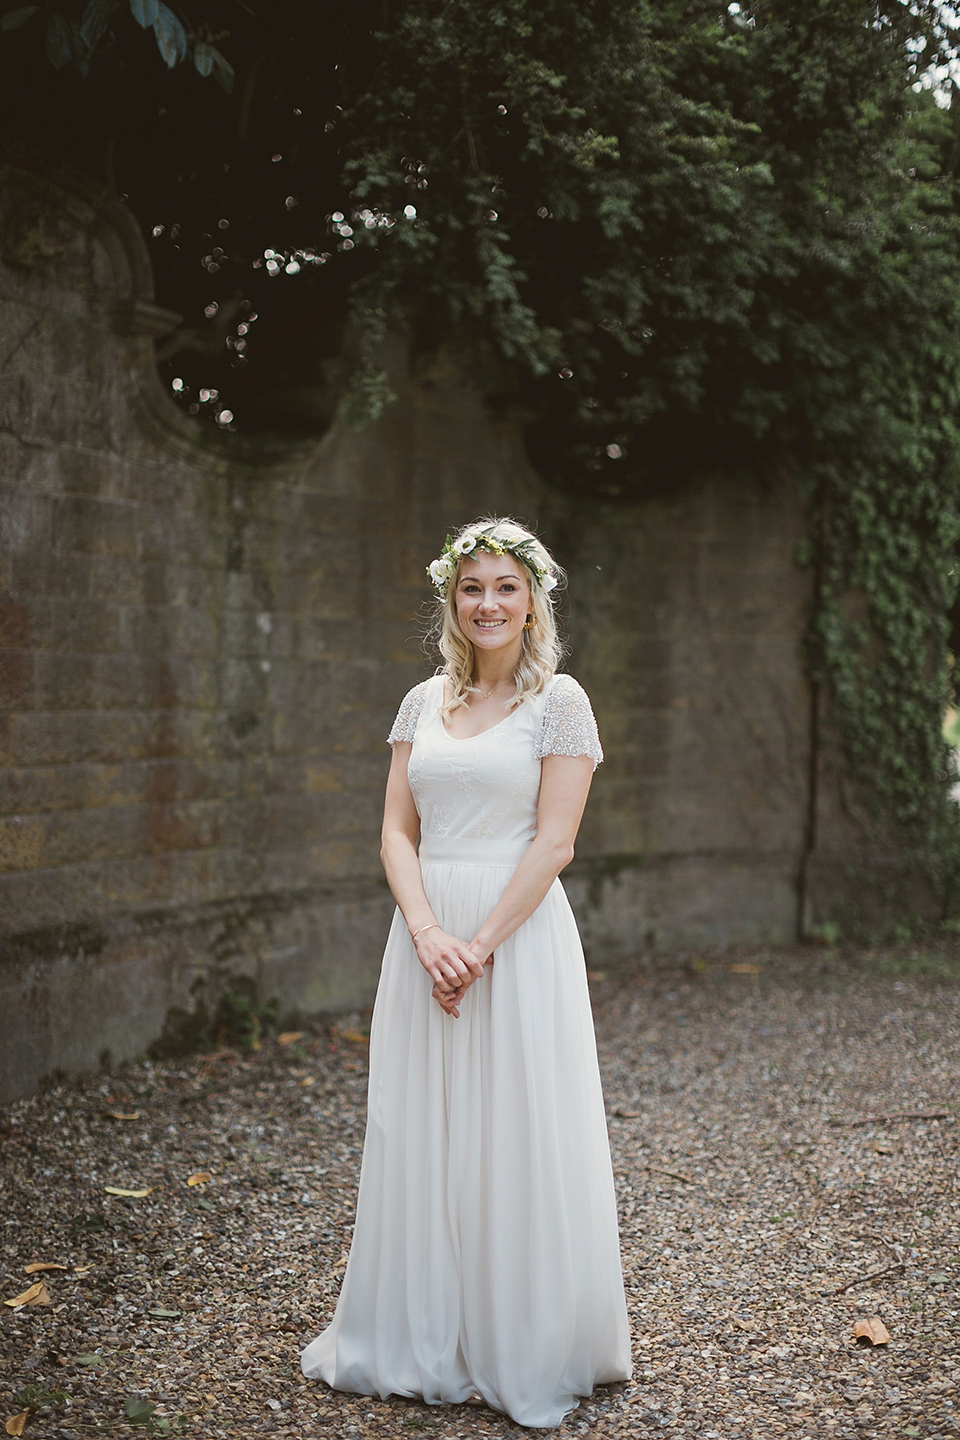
529	623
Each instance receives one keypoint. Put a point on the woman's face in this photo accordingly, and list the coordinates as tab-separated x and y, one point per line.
493	601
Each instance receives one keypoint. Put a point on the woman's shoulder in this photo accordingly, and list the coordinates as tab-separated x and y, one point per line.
562	687
569	726
411	707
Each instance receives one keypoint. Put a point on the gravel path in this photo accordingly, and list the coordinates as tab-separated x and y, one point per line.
746	1196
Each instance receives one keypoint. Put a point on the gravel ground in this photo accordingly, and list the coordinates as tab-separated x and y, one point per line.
748	1196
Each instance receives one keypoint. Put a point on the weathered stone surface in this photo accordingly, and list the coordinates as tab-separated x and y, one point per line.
203	640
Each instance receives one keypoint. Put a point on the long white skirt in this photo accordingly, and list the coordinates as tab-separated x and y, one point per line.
485	1256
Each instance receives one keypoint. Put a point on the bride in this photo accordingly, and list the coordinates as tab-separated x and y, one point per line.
485	1256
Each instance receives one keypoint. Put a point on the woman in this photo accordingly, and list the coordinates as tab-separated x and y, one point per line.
485	1256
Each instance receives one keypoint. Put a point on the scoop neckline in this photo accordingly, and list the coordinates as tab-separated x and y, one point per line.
462	739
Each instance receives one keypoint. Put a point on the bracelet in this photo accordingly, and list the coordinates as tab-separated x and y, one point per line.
433	926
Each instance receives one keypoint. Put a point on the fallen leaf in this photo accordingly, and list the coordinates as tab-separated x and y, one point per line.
38	1294
628	1114
743	969
93	1357
200	1177
16	1423
873	1330
356	1037
138	1412
166	1314
289	1036
39	1265
596	975
882	1148
122	1115
309	1080
26	1297
131	1194
82	1269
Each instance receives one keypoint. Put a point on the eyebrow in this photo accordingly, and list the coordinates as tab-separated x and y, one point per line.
511	575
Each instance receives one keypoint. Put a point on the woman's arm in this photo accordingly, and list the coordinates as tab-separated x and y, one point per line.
564	787
446	959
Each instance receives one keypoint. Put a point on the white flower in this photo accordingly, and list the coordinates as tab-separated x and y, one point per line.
548	583
465	544
441	571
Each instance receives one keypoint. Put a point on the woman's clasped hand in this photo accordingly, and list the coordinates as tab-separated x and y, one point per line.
452	965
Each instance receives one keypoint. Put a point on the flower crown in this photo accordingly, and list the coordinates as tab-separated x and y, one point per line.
444	568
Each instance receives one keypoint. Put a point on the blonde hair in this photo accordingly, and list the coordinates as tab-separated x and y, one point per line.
542	650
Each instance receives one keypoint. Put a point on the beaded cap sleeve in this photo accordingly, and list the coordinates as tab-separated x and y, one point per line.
569	726
405	725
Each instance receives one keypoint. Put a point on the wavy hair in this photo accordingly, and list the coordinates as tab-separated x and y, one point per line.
542	649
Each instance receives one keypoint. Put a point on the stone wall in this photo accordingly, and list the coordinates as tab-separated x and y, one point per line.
203	640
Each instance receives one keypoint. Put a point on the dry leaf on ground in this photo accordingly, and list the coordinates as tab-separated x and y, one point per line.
38	1294
873	1330
744	969
356	1037
38	1265
122	1114
130	1194
289	1036
199	1177
16	1423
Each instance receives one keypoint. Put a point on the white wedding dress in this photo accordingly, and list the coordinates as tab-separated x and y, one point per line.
485	1255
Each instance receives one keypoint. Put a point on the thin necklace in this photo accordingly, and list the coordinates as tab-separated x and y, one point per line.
487	693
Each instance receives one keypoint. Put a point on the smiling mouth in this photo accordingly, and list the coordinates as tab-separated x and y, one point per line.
489	624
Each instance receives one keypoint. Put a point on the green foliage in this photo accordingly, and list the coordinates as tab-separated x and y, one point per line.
228	1009
72	38
144	1413
242	1017
923	964
32	1397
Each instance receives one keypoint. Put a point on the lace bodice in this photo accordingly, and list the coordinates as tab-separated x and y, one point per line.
486	787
